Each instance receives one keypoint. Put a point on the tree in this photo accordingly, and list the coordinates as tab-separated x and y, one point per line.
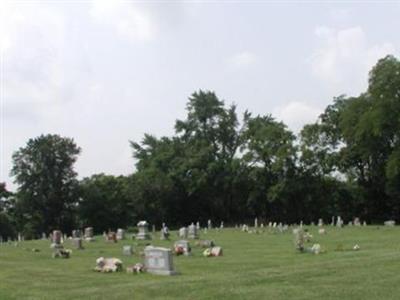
104	203
48	189
270	154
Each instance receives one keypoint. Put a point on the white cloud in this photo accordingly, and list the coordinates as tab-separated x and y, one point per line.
296	114
128	19
241	60
344	57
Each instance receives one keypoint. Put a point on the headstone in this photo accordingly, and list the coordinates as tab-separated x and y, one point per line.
112	237
77	243
390	223
320	222
192	232
333	221
350	223
198	226
182	247
76	233
19	237
120	234
270	224
209	225
321	231
339	222
183	233
127	250
159	261
164	232
89	234
256	223
143	234
56	239
364	223
154	228
299	239
262	225
44	237
357	221
222	225
245	228
205	243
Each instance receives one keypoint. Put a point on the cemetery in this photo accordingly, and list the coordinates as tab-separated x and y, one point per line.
347	262
198	150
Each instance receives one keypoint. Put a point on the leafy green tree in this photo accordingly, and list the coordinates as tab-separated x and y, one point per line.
270	153
48	190
104	203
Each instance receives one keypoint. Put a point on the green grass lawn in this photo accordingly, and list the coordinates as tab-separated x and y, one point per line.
254	266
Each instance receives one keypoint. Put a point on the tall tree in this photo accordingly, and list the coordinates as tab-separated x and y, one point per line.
48	189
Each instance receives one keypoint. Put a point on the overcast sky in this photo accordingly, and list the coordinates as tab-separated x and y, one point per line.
106	72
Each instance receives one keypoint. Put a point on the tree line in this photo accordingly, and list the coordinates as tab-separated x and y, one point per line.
225	167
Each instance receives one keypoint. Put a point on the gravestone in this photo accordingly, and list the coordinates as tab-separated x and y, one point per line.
192	232
89	234
209	225
222	225
390	223
256	223
112	237
320	222
364	223
164	232
182	247
339	222
120	234
56	239
77	242
205	243
44	237
143	234
154	228
357	221
159	261
127	250
198	226
76	233
183	233
299	239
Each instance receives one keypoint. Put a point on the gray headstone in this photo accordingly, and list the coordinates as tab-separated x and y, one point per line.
143	234
77	243
89	234
127	250
159	261
183	233
192	232
120	234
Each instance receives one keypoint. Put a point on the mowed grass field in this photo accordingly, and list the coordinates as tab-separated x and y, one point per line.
254	266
